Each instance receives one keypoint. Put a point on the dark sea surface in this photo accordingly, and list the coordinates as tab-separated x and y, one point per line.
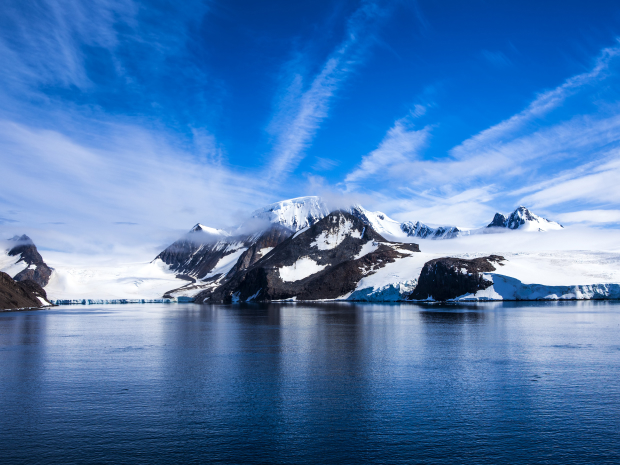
492	383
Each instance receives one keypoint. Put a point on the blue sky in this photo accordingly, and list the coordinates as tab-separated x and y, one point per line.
119	117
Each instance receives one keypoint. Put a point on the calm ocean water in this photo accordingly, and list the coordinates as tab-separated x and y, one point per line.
334	383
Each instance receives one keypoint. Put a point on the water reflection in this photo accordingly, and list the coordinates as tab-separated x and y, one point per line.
312	383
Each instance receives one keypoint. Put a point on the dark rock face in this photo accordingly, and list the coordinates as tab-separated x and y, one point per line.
29	254
193	257
447	278
20	294
202	260
499	221
331	246
269	239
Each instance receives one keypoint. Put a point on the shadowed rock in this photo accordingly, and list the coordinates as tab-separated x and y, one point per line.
447	278
20	294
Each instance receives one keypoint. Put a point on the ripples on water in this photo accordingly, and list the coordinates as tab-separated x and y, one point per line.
334	383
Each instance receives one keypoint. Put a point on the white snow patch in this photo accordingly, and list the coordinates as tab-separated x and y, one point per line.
367	248
508	288
401	274
301	231
264	251
382	223
225	264
301	269
332	238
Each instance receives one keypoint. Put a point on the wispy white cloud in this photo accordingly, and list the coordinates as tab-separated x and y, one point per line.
540	106
591	216
599	186
401	145
325	164
46	46
301	111
509	163
135	176
498	59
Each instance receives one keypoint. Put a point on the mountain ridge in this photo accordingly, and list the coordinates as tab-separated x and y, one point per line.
204	255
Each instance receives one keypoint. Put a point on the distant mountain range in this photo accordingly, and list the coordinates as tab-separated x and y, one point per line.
304	249
279	252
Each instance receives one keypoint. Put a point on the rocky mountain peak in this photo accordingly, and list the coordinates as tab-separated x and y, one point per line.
201	228
523	218
22	240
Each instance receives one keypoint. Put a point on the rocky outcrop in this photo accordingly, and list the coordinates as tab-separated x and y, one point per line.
323	261
262	245
499	221
448	278
197	253
37	269
20	294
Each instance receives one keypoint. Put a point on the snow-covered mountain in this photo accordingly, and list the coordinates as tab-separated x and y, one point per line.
524	220
295	214
206	255
201	254
380	222
22	261
323	261
388	227
298	249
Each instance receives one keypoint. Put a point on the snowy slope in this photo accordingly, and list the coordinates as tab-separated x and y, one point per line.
395	230
109	280
379	221
536	266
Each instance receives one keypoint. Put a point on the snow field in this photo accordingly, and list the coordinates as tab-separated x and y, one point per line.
111	282
225	264
301	269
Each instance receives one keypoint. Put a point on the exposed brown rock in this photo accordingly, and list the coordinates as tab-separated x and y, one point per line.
19	294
